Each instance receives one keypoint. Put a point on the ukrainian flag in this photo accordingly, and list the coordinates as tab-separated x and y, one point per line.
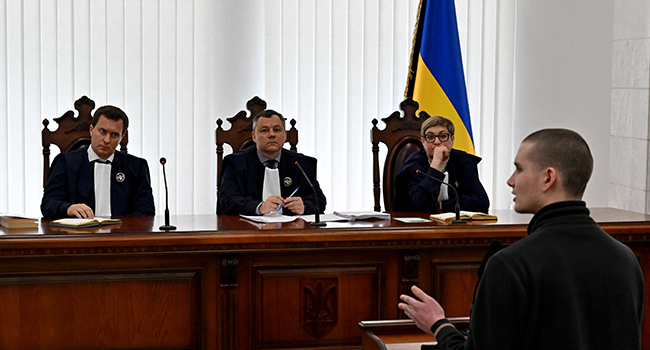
436	80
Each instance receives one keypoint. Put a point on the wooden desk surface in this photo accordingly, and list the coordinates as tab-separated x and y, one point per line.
233	232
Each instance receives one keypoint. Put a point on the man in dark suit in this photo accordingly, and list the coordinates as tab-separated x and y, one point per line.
96	180
260	179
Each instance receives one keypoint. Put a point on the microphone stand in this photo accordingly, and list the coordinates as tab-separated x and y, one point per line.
166	226
317	221
457	207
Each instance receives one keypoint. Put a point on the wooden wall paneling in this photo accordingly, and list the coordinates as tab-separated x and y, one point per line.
411	272
228	301
312	301
99	303
454	286
453	277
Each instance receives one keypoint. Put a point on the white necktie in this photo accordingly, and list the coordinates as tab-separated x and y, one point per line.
444	189
102	188
271	183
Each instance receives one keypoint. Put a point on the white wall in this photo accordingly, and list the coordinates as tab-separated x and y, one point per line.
629	186
563	71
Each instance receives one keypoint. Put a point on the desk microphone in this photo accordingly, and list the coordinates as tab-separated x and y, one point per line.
316	221
458	220
166	226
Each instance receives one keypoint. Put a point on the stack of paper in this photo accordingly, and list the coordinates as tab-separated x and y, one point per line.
10	221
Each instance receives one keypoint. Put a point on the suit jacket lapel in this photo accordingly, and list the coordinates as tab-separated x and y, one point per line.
117	186
285	173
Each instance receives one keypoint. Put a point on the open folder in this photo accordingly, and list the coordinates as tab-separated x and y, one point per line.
76	222
464	215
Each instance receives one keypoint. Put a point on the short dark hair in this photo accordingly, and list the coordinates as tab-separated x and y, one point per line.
268	113
566	151
435	120
112	113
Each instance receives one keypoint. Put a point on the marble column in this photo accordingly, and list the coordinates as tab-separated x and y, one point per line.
629	181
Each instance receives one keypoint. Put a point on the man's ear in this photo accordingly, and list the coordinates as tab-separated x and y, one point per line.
253	136
549	178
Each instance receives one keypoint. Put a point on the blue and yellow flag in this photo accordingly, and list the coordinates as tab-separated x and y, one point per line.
436	80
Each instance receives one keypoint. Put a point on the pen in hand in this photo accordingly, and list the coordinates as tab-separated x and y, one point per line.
291	195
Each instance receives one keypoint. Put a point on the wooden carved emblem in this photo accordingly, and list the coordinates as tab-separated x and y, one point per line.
318	305
408	126
84	126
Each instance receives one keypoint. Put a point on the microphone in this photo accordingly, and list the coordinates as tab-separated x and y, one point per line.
494	248
458	220
316	222
166	226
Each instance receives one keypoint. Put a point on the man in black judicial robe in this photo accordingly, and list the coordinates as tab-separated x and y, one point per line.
72	187
417	192
243	174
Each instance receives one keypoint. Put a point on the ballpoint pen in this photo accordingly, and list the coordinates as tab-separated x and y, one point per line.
291	195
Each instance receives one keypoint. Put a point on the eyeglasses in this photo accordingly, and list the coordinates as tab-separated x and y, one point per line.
431	137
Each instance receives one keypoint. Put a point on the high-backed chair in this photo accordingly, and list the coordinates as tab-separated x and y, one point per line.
72	132
239	136
402	137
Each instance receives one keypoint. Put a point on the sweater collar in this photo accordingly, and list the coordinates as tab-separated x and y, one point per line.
557	209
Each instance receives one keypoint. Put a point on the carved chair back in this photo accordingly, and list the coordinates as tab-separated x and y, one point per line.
402	138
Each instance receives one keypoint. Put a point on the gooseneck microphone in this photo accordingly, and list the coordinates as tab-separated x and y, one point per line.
166	226
316	221
458	220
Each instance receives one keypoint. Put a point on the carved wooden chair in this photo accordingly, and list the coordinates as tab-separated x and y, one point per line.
402	137
72	132
241	127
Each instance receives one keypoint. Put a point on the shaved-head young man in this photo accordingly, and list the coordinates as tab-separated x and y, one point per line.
567	285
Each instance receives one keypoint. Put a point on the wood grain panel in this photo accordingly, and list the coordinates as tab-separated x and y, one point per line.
282	307
136	302
100	311
453	286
